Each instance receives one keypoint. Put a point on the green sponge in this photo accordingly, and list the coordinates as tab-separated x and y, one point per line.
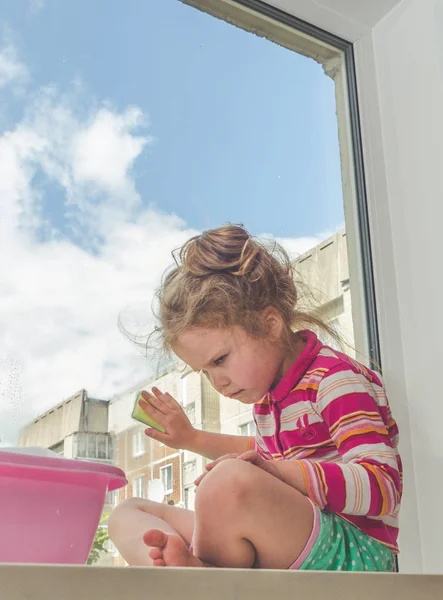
140	415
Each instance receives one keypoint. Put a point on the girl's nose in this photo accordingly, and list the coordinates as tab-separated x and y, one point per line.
219	381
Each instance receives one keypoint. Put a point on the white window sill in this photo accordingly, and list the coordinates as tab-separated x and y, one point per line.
35	582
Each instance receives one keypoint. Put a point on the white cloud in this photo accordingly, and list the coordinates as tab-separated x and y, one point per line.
297	246
62	305
60	297
13	72
59	301
293	246
104	148
36	6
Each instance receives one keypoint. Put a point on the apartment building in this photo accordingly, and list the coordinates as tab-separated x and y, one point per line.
145	461
76	428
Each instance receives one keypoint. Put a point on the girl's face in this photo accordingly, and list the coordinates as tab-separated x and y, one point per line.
238	365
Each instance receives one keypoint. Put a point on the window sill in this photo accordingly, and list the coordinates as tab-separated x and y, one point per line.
54	582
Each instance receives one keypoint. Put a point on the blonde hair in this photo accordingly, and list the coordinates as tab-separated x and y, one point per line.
225	277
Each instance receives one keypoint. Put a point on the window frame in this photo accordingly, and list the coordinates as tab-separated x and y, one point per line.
163	469
184	398
141	479
138	447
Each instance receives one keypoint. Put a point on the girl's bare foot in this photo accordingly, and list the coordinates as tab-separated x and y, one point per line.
168	550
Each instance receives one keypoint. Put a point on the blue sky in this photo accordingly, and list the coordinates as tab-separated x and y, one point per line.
125	128
245	130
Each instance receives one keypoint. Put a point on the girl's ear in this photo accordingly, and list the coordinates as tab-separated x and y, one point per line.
273	322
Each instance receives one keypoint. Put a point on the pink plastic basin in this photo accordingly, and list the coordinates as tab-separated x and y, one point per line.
50	507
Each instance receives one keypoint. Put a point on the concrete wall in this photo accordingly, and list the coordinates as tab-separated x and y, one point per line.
324	276
95	416
54	425
59	427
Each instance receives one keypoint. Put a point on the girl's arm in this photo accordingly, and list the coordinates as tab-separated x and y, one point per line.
367	481
214	445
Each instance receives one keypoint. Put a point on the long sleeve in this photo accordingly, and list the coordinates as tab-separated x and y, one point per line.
367	480
258	443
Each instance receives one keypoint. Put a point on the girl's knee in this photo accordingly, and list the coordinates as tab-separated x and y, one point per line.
130	507
131	504
228	485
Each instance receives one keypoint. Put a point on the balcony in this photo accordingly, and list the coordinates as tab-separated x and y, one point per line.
93	446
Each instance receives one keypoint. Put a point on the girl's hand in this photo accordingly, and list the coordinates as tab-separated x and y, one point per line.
179	432
250	456
270	466
211	465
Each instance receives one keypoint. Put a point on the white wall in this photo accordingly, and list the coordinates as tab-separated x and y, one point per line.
400	78
408	50
348	19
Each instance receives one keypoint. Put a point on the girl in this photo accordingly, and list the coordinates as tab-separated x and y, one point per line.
319	487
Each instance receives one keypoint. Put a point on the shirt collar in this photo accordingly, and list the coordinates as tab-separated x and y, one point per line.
296	371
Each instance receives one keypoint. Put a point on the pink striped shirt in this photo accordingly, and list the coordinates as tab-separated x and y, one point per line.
331	414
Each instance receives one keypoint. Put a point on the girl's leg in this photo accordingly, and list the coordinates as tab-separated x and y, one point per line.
244	517
132	518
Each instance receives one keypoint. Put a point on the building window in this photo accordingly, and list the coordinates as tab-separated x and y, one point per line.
190	412
102	448
93	446
190	472
138	443
184	390
190	497
166	477
190	467
138	488
247	429
112	498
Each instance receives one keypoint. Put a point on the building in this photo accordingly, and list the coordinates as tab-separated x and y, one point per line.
77	428
324	275
145	460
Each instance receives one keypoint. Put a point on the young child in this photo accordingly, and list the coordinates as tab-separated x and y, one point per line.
319	487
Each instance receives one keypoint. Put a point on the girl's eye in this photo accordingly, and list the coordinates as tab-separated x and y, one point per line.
220	360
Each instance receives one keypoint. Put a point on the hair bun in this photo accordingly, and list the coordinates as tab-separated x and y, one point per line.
229	249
